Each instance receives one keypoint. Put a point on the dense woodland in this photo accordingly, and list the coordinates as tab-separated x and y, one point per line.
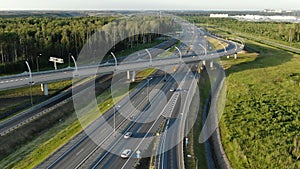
288	32
26	38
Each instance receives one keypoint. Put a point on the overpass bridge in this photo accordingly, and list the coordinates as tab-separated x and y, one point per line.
45	77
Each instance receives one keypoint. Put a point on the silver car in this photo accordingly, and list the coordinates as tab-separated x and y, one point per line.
126	153
127	135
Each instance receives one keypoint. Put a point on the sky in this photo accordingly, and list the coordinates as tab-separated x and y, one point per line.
149	4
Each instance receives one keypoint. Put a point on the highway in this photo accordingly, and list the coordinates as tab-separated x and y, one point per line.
83	154
100	146
145	133
89	145
170	149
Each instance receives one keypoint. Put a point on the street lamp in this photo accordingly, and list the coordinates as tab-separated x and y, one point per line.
114	109
149	56
115	58
30	82
148	79
180	54
114	119
205	50
37	61
190	156
76	68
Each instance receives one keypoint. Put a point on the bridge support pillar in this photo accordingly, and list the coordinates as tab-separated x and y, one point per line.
44	88
133	76
203	62
211	65
128	75
235	56
228	57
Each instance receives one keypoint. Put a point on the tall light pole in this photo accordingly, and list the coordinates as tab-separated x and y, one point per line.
114	119
115	58
148	79
149	56
37	61
30	82
205	50
76	69
180	54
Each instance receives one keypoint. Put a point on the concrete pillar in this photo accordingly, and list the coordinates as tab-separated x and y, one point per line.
211	64
133	76
44	88
228	57
235	56
128	75
203	62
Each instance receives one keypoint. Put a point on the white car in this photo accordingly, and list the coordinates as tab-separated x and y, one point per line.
126	153
127	135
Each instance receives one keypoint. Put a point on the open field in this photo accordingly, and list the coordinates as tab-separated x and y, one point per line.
260	124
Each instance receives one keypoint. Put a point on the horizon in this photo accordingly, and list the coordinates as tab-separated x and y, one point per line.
214	5
193	10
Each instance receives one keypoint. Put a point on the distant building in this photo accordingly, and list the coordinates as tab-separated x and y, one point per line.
273	10
219	15
276	18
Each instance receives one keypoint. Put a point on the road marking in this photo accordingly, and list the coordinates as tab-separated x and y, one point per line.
79	152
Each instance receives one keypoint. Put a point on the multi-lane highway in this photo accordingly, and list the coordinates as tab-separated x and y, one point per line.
78	154
103	141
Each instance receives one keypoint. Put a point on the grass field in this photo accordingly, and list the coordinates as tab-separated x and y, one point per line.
261	119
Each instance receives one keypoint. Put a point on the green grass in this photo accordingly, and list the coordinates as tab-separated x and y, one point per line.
195	148
25	140
261	119
12	99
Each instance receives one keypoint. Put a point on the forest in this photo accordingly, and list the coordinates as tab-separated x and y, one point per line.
37	38
287	32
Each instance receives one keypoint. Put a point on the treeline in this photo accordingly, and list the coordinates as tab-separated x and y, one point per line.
28	38
288	32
